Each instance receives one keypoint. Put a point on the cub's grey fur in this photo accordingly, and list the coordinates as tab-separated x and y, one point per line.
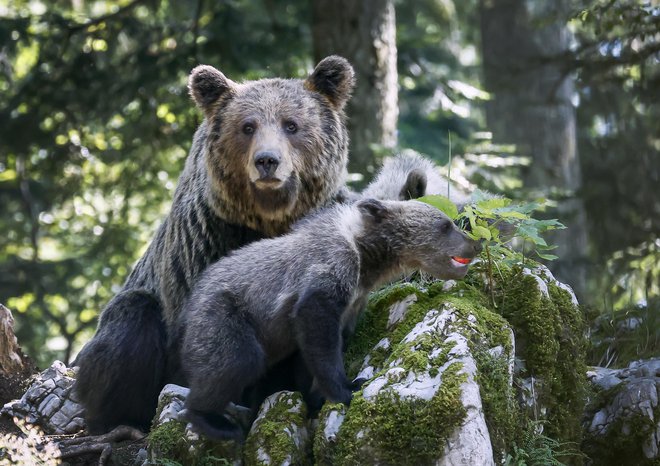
268	153
273	298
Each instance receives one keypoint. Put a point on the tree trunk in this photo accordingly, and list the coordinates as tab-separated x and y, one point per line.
15	367
364	33
521	43
11	360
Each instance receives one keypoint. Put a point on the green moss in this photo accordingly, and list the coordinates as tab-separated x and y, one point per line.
568	386
168	440
378	356
550	339
272	434
419	358
503	416
417	433
419	429
169	444
372	325
536	321
324	448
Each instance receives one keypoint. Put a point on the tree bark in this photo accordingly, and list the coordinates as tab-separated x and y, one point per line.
15	367
364	33
11	358
532	109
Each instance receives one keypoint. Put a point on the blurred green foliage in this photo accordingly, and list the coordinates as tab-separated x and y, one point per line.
94	129
95	125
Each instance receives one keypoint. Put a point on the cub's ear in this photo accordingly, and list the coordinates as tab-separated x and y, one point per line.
415	185
334	78
373	209
206	85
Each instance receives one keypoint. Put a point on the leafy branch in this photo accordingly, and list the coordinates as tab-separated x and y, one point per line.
496	221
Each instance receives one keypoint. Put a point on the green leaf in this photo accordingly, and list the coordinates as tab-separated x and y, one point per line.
493	203
551	224
531	233
441	203
510	212
549	257
481	232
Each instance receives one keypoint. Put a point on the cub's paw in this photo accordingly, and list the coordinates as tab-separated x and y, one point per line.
211	425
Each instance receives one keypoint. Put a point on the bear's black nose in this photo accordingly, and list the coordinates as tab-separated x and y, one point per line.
266	163
478	247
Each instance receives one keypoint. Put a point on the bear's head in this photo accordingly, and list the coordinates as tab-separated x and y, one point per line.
275	148
425	238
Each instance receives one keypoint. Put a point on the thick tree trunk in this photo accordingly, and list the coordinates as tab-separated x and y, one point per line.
532	108
364	33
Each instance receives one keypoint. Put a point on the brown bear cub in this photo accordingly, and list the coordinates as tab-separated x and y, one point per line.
268	153
297	293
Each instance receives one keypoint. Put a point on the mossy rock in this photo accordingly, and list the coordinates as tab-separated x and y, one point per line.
622	420
387	423
171	443
422	404
551	344
280	434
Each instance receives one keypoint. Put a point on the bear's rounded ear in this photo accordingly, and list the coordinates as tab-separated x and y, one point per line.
415	185
334	78
206	85
373	209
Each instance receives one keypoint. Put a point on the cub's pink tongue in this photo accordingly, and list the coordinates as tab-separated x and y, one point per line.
461	260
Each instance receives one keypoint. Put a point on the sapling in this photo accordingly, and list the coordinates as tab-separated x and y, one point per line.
486	217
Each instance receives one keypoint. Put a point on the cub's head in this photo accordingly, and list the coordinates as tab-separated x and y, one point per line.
426	239
278	147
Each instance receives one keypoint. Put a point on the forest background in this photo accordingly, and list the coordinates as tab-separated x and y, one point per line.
553	99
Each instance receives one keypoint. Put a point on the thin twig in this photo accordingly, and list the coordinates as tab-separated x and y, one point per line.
449	165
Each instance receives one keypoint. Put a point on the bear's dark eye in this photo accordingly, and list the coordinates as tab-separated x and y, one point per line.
290	127
248	128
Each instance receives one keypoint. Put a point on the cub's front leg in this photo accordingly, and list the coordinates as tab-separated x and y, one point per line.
317	320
